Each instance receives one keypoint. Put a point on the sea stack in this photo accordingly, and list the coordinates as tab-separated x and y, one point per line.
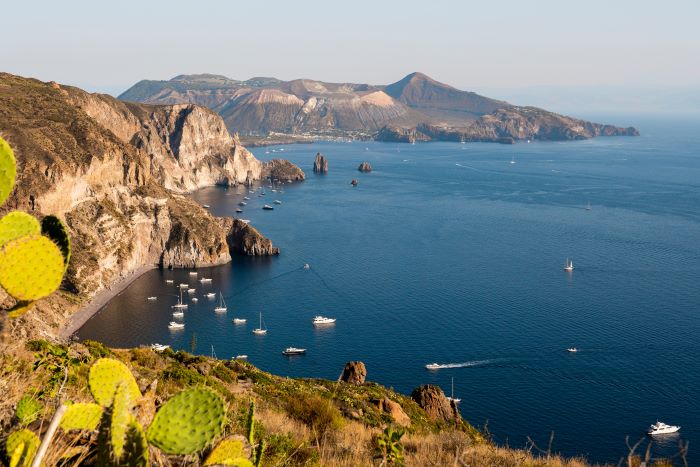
365	167
320	164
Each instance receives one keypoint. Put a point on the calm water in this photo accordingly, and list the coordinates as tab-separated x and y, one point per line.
449	253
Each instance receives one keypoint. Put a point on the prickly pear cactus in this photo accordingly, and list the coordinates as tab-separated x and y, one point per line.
30	267
105	375
28	410
21	447
17	224
188	422
81	416
52	227
232	451
136	447
8	170
251	423
120	416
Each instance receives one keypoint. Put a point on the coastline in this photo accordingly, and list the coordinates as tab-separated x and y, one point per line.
99	300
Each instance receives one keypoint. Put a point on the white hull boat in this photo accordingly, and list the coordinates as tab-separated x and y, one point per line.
569	265
221	307
293	351
174	325
322	320
152	298
261	331
239	320
159	347
660	428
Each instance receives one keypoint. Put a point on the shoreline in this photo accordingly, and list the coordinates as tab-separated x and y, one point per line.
99	300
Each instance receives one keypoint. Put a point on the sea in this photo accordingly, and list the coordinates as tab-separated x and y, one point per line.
454	254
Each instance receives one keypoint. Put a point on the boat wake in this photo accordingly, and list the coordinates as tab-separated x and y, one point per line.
473	363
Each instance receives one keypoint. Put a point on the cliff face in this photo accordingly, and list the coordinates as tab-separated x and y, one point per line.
113	172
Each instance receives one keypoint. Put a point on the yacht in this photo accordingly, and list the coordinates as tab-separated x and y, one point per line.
221	307
184	286
241	357
572	349
246	198
660	428
152	298
569	265
432	366
168	281
174	325
206	206
190	291
267	207
242	203
245	221
159	347
194	299
205	280
452	397
239	320
193	273
239	210
179	305
293	351
321	320
277	201
178	313
261	331
210	295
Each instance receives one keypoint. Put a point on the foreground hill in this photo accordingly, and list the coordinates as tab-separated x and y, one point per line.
116	173
414	108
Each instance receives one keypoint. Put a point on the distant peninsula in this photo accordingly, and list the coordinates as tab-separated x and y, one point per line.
415	108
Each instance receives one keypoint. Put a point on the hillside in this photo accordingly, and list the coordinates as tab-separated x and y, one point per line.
414	108
116	173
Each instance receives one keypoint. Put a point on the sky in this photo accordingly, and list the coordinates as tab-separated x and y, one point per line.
510	47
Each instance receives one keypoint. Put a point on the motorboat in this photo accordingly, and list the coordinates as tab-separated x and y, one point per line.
267	207
168	281
194	299
245	221
159	347
210	295
152	298
193	273
239	320
175	325
572	349
242	203
660	428
184	286
277	201
432	366
178	314
293	351
569	265
205	280
206	206
190	291
239	210
321	320
306	266
221	306
241	357
246	198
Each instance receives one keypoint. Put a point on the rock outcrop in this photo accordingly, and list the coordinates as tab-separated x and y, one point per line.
283	170
243	238
115	172
431	399
394	410
365	167
320	164
354	373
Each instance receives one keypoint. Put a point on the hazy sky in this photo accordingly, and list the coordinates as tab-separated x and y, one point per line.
472	45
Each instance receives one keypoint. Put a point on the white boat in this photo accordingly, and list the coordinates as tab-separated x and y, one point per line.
159	347
168	281
193	273
221	306
293	351
241	357
206	206
588	206
572	349
267	207
261	331
174	325
569	265
184	286
190	291
239	320
180	305
660	428
321	320
205	280
433	366
242	203
452	397
246	198
239	210
245	221
152	298
178	314
277	201
194	299
306	266
512	160
210	295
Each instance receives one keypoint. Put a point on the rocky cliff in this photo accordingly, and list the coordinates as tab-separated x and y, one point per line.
116	173
415	108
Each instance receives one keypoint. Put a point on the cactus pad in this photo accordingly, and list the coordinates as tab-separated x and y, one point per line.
81	417
8	170
21	447
136	446
188	422
120	416
232	451
28	410
30	267
105	375
17	224
52	227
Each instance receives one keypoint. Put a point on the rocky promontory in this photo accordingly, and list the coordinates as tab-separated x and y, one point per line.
282	170
320	164
243	238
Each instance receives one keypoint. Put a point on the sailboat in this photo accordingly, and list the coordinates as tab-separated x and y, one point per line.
180	305
452	397
569	266
221	307
261	331
588	206
512	160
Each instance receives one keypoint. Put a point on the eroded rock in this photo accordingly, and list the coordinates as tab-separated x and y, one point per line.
431	399
354	373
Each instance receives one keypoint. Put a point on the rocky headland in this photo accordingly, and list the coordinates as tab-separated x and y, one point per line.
118	174
320	164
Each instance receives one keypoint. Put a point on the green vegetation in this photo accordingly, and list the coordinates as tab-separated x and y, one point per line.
388	446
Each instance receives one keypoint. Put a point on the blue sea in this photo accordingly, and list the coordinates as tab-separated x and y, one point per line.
450	253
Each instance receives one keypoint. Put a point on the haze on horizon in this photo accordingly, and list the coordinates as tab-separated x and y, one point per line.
528	53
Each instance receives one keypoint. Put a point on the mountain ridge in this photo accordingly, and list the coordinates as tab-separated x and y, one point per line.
305	107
